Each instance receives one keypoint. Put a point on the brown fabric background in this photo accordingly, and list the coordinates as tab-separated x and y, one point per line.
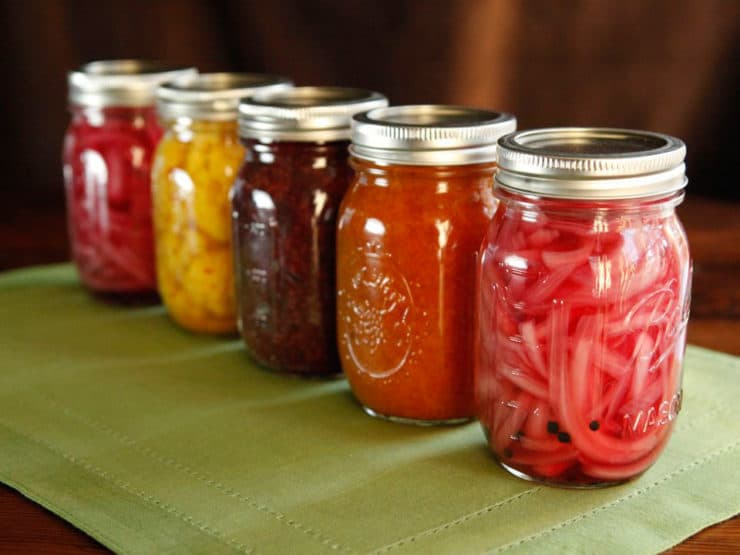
665	65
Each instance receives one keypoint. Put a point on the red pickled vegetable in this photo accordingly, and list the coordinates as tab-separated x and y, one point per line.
107	156
581	333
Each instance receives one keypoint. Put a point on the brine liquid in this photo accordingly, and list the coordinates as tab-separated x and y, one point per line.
581	334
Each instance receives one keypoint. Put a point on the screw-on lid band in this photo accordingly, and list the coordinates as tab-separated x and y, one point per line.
213	96
429	135
591	163
121	82
305	113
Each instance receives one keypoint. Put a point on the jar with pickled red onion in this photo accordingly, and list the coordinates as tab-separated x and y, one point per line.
194	167
583	300
108	149
285	203
408	236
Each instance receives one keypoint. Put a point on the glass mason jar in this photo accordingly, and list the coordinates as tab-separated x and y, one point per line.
285	203
408	236
583	301
194	167
107	153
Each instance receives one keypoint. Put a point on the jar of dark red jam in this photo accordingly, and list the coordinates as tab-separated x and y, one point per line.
583	300
285	201
408	236
107	154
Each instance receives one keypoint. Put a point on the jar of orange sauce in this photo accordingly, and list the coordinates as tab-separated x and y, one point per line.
409	230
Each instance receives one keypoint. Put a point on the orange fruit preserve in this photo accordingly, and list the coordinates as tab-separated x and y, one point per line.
407	246
409	230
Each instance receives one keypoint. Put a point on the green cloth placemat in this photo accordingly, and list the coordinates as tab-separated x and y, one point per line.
154	440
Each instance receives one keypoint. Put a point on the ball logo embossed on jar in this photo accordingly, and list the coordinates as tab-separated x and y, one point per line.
378	313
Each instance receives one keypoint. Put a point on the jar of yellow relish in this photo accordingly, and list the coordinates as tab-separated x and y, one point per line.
194	167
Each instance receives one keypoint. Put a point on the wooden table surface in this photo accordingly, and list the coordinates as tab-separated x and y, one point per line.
34	233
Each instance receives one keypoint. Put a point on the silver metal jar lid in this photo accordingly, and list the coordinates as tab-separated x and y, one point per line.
591	163
121	82
305	113
429	135
213	96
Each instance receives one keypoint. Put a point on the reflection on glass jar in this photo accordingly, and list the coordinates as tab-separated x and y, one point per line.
285	203
195	166
583	302
408	235
107	154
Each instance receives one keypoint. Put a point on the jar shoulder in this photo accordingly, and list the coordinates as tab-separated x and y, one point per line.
613	262
288	182
416	208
